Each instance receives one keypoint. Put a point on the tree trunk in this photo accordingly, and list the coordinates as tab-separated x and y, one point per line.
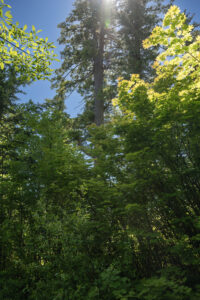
99	74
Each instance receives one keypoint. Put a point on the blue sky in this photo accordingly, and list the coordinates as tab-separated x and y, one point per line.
46	15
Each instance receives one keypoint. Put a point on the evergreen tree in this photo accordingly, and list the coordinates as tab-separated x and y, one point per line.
9	87
137	18
86	36
103	40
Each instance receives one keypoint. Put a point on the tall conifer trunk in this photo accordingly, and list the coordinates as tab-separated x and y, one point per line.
99	77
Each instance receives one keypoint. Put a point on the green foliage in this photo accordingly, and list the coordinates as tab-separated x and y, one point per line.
159	124
136	21
116	217
9	87
28	54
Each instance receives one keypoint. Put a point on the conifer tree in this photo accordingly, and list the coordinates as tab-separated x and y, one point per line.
9	87
136	19
86	36
103	40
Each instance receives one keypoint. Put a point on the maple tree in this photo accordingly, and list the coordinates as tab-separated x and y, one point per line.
30	55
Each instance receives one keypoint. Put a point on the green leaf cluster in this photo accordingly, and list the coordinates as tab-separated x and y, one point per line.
28	54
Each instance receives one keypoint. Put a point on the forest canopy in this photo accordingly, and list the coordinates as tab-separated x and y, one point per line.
103	210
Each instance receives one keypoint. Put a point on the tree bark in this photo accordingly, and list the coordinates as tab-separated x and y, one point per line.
99	74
